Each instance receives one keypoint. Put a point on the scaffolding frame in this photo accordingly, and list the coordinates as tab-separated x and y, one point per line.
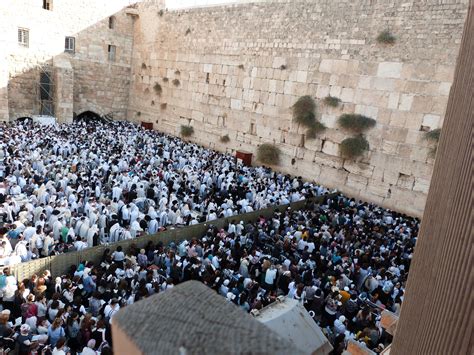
45	91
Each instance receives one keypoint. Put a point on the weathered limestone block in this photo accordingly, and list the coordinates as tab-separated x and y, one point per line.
389	70
314	145
332	178
406	181
421	185
357	168
431	121
356	182
330	148
328	160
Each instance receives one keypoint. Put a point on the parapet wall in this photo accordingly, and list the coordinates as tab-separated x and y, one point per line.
241	67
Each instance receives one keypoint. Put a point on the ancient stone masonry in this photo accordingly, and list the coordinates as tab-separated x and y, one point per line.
238	69
84	78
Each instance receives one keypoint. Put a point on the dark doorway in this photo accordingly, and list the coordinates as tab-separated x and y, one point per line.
89	116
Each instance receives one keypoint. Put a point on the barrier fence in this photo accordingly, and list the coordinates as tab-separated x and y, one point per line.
59	264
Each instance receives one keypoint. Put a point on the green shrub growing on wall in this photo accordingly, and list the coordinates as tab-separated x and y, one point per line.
176	82
158	89
161	12
241	66
332	101
315	130
187	131
386	37
163	105
165	79
268	154
433	135
356	123
143	66
304	111
354	146
225	139
188	31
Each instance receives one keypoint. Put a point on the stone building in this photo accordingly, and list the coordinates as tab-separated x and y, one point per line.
237	69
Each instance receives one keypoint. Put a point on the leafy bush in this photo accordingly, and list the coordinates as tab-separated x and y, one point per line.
177	72
268	154
165	79
354	146
282	67
158	89
433	135
163	106
143	66
187	131
161	12
332	101
188	31
139	113
225	139
386	37
304	111
241	66
356	123
315	130
176	82
152	102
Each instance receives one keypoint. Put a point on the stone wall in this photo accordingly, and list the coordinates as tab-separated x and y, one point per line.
97	82
241	67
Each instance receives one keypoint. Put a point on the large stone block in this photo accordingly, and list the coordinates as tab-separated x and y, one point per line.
389	70
330	148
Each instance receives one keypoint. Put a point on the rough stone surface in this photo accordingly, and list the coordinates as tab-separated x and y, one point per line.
252	74
238	69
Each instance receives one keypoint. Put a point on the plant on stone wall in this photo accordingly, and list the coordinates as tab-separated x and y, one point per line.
188	31
282	67
177	72
187	131
332	101
158	89
139	113
143	66
304	111
163	106
176	82
433	135
353	147
165	79
268	154
356	123
241	66
152	102
225	139
386	37
161	12
315	130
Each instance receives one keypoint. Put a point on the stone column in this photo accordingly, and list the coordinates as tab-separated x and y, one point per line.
4	113
63	78
437	314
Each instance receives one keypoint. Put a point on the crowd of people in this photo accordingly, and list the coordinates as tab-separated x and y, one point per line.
345	261
73	186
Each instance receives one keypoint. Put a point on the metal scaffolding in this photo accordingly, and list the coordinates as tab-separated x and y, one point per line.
45	94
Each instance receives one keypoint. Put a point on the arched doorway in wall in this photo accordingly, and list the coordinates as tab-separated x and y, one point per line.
89	116
25	119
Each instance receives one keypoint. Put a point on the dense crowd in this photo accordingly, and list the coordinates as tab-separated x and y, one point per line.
344	260
73	186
